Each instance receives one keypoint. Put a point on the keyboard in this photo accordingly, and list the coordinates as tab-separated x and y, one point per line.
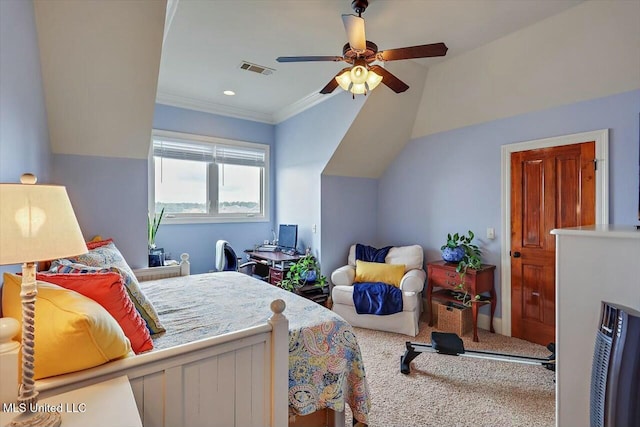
267	248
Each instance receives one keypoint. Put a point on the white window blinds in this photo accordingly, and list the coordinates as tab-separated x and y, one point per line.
211	153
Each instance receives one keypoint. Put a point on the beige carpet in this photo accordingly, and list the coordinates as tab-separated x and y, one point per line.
455	391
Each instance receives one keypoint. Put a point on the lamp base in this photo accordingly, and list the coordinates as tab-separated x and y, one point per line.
37	419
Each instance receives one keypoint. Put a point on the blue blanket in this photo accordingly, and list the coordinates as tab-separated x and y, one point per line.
371	254
377	298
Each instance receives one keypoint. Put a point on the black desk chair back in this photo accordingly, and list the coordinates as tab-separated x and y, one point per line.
227	260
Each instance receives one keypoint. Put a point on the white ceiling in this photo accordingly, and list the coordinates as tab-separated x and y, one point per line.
206	40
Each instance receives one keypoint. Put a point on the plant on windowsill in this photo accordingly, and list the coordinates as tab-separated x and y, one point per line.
304	271
459	249
156	256
153	223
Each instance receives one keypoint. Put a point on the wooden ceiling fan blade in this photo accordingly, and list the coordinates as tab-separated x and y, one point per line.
330	87
333	83
309	58
354	26
392	82
422	51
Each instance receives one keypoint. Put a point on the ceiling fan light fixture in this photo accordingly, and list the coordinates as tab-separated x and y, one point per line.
359	89
365	80
344	80
359	74
373	80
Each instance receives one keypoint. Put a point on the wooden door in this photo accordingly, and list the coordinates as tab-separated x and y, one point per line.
550	188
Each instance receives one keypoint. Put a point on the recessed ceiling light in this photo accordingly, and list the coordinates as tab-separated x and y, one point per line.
229	92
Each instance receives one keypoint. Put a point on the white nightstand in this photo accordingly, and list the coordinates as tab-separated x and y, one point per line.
106	404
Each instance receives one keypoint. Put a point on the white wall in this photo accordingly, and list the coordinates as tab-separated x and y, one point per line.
592	265
382	128
304	144
100	62
588	51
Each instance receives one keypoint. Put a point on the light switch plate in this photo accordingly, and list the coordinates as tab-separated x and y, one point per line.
491	233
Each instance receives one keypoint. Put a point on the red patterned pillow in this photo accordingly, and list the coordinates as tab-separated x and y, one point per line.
107	289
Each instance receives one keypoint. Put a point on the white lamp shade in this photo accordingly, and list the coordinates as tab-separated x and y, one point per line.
37	223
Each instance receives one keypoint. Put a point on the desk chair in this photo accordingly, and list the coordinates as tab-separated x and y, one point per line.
227	260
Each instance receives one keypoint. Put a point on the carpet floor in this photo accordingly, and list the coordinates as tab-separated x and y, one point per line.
455	391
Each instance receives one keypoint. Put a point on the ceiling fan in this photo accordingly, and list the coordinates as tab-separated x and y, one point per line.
361	77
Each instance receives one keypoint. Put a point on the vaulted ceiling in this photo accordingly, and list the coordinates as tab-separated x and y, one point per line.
206	41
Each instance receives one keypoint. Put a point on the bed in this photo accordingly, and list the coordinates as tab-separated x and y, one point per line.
224	362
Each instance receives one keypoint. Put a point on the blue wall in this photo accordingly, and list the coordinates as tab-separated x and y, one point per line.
199	240
349	215
305	143
109	196
24	136
450	181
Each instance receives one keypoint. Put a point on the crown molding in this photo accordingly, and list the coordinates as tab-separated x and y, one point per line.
302	104
212	107
241	113
172	6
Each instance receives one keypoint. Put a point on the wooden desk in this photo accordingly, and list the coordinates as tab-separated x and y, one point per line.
273	259
443	275
277	262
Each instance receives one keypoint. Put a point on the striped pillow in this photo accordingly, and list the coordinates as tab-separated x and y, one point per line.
109	258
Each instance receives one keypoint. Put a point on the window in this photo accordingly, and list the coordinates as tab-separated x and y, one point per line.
205	179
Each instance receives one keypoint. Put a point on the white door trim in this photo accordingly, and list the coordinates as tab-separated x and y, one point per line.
601	137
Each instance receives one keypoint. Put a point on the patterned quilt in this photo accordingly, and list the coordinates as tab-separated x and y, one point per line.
325	364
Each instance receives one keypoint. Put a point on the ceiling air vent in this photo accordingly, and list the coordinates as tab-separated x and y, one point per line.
256	68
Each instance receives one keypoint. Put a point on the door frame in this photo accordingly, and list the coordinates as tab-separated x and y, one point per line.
601	138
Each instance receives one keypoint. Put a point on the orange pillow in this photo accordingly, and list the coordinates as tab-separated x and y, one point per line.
108	290
97	242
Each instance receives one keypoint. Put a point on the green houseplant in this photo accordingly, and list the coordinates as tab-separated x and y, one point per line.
153	223
459	248
305	270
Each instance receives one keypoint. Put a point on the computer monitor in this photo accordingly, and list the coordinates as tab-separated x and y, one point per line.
288	236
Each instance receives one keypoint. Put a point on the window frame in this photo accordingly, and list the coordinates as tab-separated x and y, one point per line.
212	181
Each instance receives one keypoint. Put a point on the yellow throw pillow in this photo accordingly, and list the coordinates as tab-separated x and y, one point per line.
379	272
73	332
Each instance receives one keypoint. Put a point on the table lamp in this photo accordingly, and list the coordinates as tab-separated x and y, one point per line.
37	223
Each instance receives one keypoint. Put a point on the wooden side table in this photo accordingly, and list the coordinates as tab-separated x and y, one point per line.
442	278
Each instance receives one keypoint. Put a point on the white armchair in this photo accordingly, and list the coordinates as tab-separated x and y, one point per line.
411	285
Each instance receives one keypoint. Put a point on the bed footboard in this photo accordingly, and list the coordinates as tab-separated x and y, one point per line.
235	379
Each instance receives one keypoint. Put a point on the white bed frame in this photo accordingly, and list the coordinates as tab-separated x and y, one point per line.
235	379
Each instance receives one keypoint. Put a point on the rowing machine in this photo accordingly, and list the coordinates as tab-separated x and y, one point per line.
451	344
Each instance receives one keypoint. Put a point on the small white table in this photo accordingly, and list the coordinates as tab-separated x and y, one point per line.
106	404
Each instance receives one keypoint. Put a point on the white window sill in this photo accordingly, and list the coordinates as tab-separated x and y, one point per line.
212	220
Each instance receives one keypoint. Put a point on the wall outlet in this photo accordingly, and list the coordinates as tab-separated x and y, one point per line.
314	228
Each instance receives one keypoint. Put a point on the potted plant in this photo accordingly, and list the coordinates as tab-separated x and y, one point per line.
156	256
305	270
460	250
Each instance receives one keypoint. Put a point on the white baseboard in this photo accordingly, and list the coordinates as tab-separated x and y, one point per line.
483	322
